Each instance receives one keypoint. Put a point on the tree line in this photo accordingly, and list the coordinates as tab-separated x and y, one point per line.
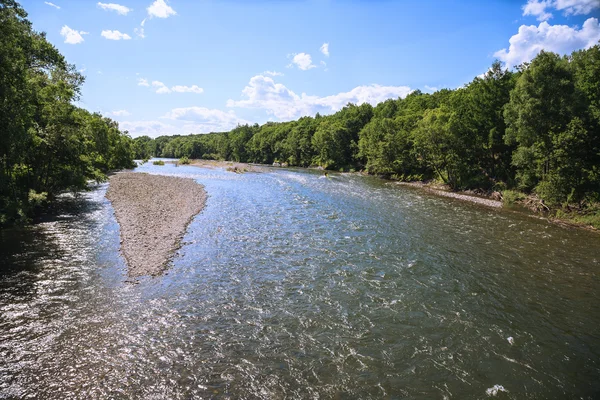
535	129
47	144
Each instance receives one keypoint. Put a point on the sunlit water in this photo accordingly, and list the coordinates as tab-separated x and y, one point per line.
290	285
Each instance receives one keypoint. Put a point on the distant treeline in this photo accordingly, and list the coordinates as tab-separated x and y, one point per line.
536	130
47	144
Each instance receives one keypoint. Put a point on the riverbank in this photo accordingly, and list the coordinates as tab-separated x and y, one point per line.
568	219
153	212
588	219
489	202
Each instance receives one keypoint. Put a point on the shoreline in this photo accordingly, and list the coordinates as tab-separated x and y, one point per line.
454	195
153	212
486	201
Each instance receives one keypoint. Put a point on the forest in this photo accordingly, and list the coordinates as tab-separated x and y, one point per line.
48	145
534	131
531	131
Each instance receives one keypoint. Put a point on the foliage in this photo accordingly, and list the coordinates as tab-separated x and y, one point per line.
184	160
158	162
512	197
534	132
47	145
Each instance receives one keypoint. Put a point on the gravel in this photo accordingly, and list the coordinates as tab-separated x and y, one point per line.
464	197
153	212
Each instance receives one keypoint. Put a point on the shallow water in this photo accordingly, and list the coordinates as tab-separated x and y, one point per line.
290	285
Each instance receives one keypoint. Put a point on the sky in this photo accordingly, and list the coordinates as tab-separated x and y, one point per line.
163	67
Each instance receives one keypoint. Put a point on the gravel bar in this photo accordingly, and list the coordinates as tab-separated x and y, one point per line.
153	212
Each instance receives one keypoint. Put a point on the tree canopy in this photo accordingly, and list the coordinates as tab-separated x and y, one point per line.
47	144
536	129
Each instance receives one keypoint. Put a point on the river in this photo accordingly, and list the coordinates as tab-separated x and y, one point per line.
292	285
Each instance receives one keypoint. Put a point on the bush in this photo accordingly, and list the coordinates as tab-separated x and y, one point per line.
158	162
511	197
184	161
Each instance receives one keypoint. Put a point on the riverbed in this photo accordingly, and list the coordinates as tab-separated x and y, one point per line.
292	285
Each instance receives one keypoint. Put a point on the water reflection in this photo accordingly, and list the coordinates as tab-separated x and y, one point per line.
290	285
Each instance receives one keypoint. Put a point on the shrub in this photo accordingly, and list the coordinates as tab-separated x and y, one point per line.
511	197
184	161
158	162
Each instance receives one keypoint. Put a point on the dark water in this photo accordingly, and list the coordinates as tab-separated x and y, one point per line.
293	286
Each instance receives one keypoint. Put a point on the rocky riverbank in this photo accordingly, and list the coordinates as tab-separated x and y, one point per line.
489	202
153	212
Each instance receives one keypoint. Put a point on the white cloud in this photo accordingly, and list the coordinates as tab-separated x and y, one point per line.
303	61
577	7
273	73
115	35
122	10
121	113
52	5
161	88
263	93
140	31
72	36
149	128
187	89
325	49
160	9
538	8
561	39
204	120
431	88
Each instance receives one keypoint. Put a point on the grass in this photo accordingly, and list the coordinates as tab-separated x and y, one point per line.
158	162
512	197
587	217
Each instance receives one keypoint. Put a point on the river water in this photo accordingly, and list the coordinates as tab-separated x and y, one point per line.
290	285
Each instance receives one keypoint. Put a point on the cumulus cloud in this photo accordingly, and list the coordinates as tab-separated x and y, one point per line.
204	120
52	5
121	113
160	9
561	39
537	9
263	92
161	88
119	9
187	89
302	61
325	49
273	73
431	88
115	35
149	128
71	35
540	8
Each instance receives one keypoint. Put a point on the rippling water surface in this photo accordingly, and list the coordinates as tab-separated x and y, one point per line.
289	285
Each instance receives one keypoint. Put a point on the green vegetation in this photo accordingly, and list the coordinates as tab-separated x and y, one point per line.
158	162
184	160
47	144
535	131
512	197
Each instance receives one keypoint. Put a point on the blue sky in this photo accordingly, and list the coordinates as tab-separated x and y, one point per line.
182	66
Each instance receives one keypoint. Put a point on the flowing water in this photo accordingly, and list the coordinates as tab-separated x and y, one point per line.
289	285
